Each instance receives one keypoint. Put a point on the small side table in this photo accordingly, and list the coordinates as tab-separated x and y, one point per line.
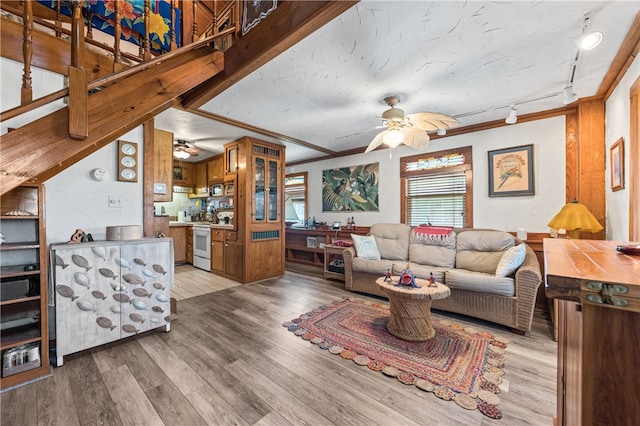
332	252
410	308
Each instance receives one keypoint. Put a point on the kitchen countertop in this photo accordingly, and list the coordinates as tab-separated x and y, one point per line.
175	223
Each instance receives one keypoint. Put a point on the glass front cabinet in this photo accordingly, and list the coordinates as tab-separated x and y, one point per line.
266	183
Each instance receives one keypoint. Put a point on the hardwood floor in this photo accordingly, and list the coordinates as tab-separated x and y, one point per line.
229	361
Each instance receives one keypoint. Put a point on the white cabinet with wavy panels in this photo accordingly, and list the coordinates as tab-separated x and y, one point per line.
110	290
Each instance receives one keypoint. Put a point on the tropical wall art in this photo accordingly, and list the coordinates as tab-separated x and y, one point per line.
102	13
352	188
511	171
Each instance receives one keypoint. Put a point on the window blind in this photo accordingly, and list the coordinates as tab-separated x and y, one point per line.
438	200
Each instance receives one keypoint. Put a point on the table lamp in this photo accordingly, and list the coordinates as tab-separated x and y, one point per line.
290	215
575	217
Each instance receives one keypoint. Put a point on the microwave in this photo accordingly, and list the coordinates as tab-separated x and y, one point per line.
217	189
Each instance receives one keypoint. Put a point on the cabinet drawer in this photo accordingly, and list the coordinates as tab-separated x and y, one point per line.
231	236
217	235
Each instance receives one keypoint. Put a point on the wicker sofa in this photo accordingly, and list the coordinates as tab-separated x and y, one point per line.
465	260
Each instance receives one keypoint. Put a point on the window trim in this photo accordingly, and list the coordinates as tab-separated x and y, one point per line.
306	189
466	168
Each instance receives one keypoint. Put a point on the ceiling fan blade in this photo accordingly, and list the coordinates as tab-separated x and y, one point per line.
415	138
376	142
431	121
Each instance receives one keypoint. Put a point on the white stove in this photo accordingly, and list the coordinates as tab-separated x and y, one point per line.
202	247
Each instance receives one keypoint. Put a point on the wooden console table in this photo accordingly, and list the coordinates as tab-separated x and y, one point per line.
598	292
298	249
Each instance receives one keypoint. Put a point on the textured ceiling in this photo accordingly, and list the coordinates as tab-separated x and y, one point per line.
471	60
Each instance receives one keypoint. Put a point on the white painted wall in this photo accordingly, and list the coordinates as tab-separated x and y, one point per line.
617	125
506	213
75	200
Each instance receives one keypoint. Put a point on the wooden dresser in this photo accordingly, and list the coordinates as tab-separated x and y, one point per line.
598	292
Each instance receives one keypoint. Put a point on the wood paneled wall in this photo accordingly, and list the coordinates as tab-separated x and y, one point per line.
585	159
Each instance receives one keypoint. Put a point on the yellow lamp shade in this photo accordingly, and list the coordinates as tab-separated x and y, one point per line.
575	217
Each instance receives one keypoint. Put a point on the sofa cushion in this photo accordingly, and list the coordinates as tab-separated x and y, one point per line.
481	251
434	250
392	240
511	261
480	282
371	266
421	271
366	247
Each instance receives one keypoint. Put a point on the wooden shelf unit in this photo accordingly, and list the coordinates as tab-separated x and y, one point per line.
332	253
297	250
25	245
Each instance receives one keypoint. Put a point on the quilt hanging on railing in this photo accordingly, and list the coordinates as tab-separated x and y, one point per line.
102	15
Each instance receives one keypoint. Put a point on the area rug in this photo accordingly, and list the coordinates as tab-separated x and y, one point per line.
460	364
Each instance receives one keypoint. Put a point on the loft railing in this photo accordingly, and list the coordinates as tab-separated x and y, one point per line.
222	33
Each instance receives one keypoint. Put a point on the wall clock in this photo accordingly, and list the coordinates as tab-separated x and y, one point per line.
127	161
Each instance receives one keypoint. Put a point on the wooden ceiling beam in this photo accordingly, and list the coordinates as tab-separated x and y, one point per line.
291	22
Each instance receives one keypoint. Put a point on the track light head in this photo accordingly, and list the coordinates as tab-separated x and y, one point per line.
513	116
569	95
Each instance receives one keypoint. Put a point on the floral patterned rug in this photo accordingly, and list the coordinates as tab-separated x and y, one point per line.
460	364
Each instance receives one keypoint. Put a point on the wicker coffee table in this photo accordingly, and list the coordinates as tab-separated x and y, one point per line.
410	308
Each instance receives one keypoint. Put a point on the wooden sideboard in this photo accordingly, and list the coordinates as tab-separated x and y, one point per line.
306	246
598	292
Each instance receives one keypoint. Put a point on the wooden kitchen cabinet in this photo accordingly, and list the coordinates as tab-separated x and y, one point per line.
179	236
24	338
215	169
231	158
234	260
201	182
183	174
190	246
598	294
163	163
217	250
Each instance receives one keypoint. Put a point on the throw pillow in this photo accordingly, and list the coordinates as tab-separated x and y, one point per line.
511	261
366	247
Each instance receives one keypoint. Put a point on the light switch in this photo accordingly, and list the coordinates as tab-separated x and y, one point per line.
159	188
115	201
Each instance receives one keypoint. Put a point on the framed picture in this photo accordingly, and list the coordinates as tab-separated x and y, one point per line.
616	164
352	189
312	242
511	172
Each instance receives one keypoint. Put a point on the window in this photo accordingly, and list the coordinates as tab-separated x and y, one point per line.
295	200
437	190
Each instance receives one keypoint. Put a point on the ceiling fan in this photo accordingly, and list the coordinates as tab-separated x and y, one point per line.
410	129
184	149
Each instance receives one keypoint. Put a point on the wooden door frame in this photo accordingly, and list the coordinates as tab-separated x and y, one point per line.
634	161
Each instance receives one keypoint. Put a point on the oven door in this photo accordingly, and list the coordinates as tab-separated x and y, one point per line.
202	242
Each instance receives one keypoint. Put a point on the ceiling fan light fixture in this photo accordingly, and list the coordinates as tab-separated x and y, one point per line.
512	117
182	155
393	138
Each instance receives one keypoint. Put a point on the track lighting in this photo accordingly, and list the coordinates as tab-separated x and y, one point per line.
569	95
513	116
591	40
